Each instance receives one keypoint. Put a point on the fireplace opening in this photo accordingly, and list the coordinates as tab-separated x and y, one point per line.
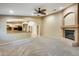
69	34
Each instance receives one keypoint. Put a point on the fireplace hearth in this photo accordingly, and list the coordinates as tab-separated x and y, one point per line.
70	34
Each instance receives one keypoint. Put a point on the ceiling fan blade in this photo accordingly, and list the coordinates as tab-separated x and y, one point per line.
43	10
36	10
43	13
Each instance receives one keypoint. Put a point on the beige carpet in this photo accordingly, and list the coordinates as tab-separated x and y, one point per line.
38	47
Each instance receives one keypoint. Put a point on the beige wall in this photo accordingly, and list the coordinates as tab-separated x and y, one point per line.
52	25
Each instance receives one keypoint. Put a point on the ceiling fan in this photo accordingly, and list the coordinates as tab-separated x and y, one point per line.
40	11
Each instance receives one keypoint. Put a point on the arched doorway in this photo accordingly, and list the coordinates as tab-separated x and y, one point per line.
32	27
24	26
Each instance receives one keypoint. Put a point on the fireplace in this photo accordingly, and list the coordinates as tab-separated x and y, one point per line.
70	34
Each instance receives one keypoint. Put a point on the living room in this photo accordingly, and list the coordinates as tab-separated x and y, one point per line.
43	23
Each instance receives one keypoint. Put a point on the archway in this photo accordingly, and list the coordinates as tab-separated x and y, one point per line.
33	28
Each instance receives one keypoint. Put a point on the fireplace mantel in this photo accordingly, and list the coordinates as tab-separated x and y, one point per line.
76	31
69	27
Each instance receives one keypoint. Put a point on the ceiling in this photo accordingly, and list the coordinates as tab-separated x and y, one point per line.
27	9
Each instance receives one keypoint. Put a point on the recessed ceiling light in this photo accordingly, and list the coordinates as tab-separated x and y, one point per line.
11	11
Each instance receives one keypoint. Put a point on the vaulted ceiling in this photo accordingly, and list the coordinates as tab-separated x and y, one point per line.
27	9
